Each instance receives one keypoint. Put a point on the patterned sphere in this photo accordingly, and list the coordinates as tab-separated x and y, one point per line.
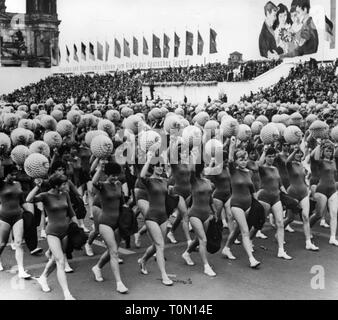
21	114
213	147
221	115
211	125
296	119
40	147
10	120
75	107
94	122
293	135
126	112
171	122
263	119
49	102
147	139
19	154
90	135
179	111
74	117
202	118
53	139
192	135
269	134
334	134
23	107
28	124
36	166
229	126
249	119
133	123
284	118
184	123
57	115
281	128
48	122
107	126
101	147
276	118
5	142
59	107
34	107
20	136
113	115
64	128
97	113
310	119
244	132
319	129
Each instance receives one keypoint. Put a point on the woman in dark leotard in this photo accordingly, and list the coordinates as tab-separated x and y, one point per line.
269	193
111	196
181	173
241	198
200	214
156	218
59	211
11	200
253	166
326	193
299	190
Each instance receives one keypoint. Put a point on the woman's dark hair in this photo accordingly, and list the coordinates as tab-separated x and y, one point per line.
58	164
199	169
282	9
56	180
10	169
271	151
112	168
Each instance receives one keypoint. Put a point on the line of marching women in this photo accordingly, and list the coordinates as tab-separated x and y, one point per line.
204	168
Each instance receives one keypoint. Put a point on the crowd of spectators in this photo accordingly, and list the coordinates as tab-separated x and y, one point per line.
108	88
307	81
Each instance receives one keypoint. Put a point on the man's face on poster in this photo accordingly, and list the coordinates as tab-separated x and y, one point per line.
294	17
271	17
301	13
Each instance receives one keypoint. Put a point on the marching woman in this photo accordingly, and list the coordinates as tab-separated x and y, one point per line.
59	210
222	194
241	197
156	218
299	190
326	193
180	174
269	195
200	213
111	195
11	201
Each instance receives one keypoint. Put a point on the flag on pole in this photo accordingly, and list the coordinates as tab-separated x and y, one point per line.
76	58
68	53
200	44
91	52
329	33
189	43
83	51
166	47
126	48
99	51
135	46
145	47
117	49
177	45
107	50
54	56
156	47
213	44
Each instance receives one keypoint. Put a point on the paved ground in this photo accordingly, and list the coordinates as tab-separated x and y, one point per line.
276	279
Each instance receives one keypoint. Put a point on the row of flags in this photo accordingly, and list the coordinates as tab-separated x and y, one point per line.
88	52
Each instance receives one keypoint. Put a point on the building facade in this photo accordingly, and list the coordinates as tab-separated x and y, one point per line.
30	39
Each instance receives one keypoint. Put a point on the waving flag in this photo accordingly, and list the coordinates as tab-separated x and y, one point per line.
68	53
83	51
76	58
145	47
177	45
99	51
189	44
135	46
200	44
107	50
156	47
213	44
117	49
166	47
91	51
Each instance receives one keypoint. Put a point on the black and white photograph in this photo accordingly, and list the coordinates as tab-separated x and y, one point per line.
166	151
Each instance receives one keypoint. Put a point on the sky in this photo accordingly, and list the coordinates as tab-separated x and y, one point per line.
237	22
